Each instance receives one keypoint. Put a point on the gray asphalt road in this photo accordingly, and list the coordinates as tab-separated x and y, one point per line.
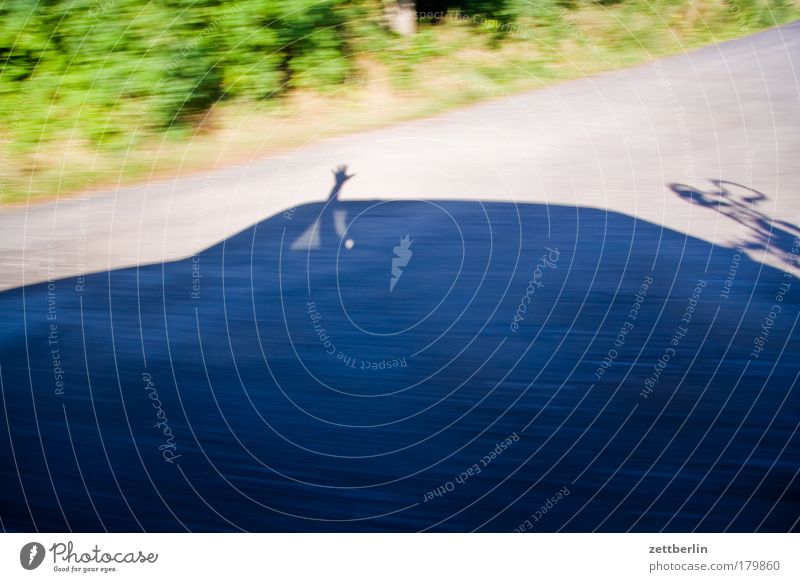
619	141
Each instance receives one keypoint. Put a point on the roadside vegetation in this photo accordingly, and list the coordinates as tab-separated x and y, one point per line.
95	94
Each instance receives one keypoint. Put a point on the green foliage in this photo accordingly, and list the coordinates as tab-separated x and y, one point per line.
112	70
758	13
502	10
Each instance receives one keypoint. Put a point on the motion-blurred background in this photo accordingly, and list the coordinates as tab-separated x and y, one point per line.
565	309
97	93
